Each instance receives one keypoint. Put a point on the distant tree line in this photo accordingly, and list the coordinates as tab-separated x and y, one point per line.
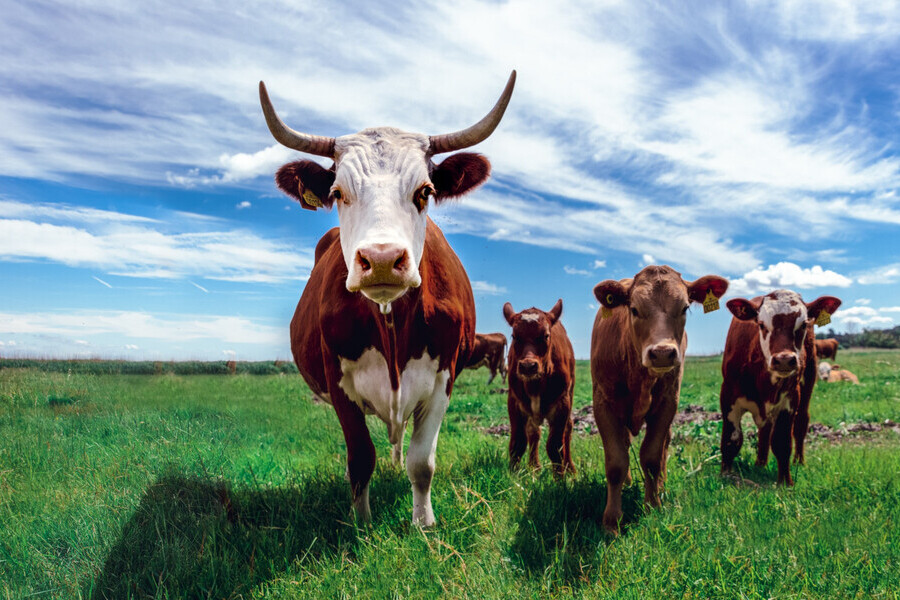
868	338
126	367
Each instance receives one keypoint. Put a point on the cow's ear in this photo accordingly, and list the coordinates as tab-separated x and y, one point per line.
612	293
508	313
743	309
697	290
307	182
822	304
458	174
555	312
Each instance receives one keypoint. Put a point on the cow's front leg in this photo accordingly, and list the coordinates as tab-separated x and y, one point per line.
517	440
762	444
653	452
360	449
420	461
781	446
559	438
533	433
615	454
732	432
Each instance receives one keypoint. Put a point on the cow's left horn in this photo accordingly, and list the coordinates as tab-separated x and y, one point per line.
448	142
304	142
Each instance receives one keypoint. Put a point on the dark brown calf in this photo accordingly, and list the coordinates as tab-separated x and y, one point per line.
490	352
637	359
541	380
768	370
826	348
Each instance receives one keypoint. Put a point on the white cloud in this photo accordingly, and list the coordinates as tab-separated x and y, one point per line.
142	325
242	205
647	259
487	289
199	287
786	275
880	275
599	264
574	271
131	347
100	281
123	247
863	301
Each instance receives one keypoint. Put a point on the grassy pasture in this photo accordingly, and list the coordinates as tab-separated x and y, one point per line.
204	486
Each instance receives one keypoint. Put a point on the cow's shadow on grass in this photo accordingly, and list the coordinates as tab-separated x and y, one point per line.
745	472
199	537
561	527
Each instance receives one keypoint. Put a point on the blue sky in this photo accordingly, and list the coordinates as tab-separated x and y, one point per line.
139	219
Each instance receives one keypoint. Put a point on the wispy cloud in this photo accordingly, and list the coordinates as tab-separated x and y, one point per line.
570	270
124	246
487	288
97	279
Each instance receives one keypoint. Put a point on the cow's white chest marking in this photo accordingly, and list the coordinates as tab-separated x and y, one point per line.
367	383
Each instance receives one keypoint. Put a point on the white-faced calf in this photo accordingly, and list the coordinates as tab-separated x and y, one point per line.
541	380
768	370
637	359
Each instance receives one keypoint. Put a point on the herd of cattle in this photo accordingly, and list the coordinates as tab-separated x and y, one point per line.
386	323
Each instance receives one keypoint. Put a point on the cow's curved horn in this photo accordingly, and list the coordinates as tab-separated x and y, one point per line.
304	142
478	132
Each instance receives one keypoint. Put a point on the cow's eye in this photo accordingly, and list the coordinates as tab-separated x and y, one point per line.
420	199
546	337
684	310
634	312
336	195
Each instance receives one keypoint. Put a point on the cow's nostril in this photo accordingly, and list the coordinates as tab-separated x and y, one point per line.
364	264
400	263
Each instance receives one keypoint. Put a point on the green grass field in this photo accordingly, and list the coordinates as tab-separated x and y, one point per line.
214	486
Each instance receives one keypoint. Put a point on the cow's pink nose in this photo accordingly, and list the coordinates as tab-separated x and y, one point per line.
784	361
383	263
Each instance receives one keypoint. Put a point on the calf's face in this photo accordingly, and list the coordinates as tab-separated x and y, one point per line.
657	300
783	320
531	339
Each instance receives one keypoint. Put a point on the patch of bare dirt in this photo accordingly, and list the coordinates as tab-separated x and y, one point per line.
694	414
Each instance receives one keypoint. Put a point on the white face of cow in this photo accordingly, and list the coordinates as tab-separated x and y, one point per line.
782	323
381	189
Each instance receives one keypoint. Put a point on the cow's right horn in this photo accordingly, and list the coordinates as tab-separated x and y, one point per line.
303	142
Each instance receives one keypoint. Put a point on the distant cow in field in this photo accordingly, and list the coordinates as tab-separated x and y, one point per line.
541	381
637	359
387	318
490	352
837	374
768	370
824	370
826	348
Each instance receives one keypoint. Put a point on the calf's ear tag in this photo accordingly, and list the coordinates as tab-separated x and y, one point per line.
710	303
823	319
605	312
312	199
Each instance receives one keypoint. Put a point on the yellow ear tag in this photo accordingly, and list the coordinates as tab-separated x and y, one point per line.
311	199
605	312
823	319
710	303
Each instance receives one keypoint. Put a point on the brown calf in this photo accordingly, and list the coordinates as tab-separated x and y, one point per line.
541	380
826	348
637	359
768	369
490	352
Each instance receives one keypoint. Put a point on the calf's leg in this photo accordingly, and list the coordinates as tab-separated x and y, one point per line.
517	440
653	452
559	438
420	460
615	455
781	446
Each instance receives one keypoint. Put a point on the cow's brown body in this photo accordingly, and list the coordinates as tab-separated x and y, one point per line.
751	382
541	381
332	324
637	361
826	348
490	352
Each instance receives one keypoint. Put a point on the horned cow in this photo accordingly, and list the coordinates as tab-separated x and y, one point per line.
387	318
